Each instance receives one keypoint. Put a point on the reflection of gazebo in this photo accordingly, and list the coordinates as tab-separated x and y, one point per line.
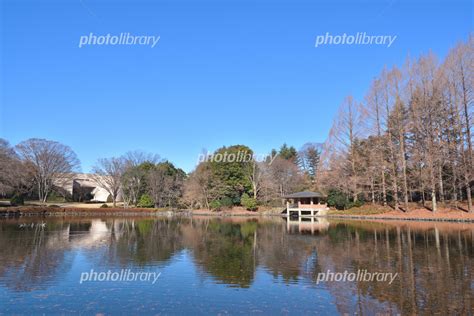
305	225
305	203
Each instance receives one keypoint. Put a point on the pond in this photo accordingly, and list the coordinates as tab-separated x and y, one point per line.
234	265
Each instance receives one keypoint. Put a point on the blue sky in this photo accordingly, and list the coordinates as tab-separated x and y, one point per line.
224	72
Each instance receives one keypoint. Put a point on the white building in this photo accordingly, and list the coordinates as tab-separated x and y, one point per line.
84	187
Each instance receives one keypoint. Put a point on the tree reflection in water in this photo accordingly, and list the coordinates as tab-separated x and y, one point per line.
434	260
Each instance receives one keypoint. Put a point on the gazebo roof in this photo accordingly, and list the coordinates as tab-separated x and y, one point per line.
304	194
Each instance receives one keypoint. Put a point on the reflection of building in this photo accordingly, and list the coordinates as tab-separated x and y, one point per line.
307	225
305	204
83	187
87	234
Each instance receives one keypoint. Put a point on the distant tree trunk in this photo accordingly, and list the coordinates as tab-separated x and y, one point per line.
466	118
422	187
390	145
372	190
441	186
352	148
469	143
469	198
433	190
404	168
381	157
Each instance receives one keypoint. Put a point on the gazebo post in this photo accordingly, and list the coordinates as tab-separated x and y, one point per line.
299	208
288	207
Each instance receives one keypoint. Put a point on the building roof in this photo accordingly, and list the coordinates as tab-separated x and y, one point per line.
304	194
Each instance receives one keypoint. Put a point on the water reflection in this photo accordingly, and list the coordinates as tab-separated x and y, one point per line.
273	262
310	225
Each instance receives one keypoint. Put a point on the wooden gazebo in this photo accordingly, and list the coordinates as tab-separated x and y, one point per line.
306	203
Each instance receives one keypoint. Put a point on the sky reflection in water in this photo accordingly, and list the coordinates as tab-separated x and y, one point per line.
234	265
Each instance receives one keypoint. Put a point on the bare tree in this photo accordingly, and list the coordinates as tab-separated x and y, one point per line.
270	189
459	82
347	128
50	162
157	185
395	134
286	176
14	177
398	122
376	126
254	174
108	173
419	142
427	111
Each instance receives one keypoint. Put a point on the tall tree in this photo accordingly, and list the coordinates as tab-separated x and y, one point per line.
108	174
201	187
459	75
390	80
427	111
419	137
254	175
137	164
50	162
376	127
309	157
288	153
14	177
165	184
232	171
347	128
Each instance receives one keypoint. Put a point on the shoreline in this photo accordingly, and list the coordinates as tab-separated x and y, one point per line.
31	211
407	219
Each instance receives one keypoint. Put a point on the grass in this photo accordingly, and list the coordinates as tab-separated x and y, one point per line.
362	210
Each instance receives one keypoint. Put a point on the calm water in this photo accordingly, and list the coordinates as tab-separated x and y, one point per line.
234	266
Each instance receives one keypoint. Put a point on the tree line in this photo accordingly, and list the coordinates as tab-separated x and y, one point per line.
410	139
38	168
213	185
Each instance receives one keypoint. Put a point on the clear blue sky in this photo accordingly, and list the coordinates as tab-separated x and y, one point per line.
224	72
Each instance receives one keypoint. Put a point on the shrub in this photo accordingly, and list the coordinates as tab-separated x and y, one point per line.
341	200
17	200
145	201
104	206
337	199
248	202
226	202
215	205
